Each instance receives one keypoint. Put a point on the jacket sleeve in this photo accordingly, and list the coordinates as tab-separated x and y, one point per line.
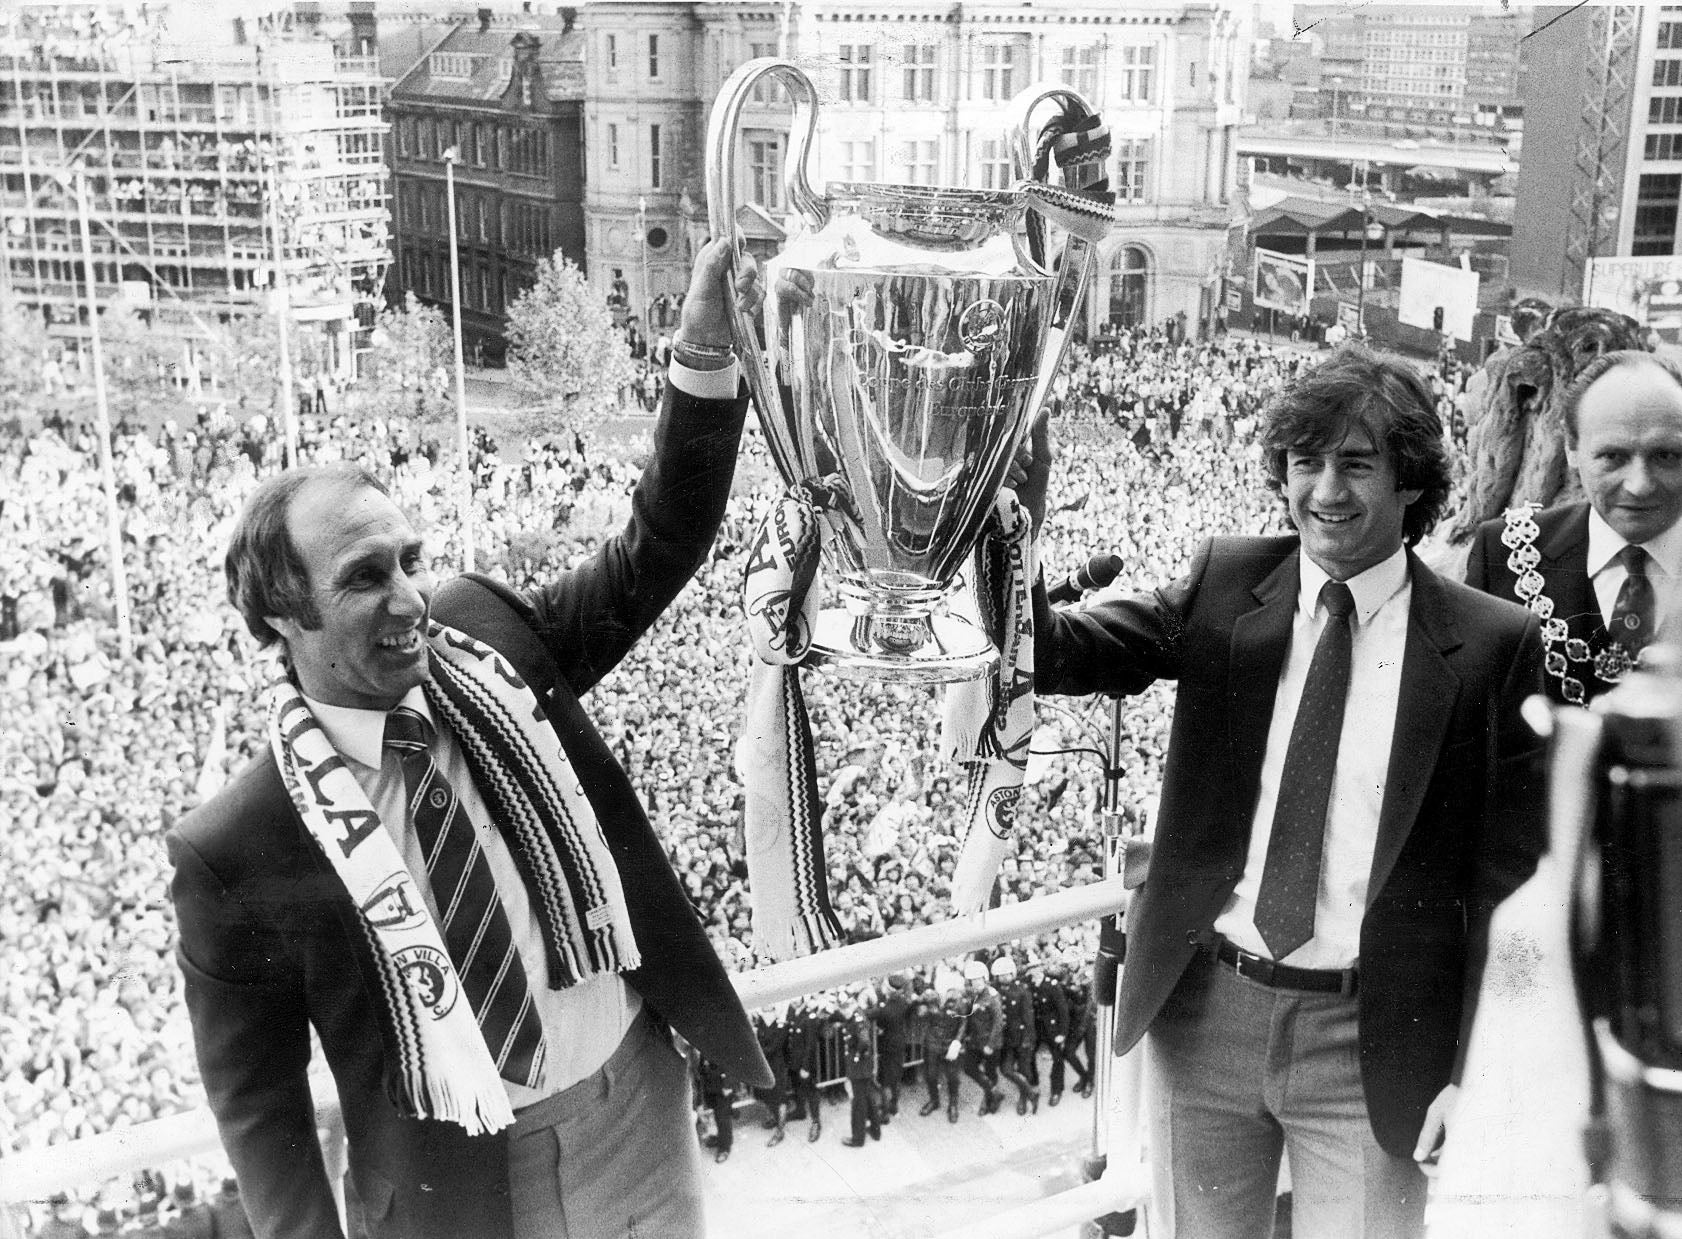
245	1001
1118	645
594	613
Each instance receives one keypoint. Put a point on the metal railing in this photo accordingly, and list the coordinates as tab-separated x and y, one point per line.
34	1175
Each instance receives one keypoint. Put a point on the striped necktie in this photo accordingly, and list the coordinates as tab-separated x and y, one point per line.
474	925
1290	884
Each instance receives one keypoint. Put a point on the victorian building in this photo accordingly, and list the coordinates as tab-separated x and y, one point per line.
915	93
503	98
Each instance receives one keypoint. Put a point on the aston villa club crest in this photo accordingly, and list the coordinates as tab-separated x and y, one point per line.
430	978
394	904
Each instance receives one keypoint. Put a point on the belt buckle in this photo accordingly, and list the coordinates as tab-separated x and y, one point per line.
1253	967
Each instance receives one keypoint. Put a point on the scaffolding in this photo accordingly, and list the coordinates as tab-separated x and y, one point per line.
223	180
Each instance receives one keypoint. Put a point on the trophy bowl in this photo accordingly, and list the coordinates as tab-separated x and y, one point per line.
908	335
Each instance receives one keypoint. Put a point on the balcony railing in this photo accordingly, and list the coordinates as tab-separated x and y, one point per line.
35	1175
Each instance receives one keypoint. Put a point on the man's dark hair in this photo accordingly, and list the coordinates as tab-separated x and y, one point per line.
265	573
1381	394
1572	400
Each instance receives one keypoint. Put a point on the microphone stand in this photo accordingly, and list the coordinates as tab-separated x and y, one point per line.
1117	1082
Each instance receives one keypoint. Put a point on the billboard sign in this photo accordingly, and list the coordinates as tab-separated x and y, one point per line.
1627	284
1438	298
1282	281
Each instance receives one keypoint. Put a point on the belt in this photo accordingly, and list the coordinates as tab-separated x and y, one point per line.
1282	976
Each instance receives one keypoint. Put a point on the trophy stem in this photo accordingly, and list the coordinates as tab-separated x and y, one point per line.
877	638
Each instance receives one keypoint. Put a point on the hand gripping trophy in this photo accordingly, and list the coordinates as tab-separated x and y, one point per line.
908	337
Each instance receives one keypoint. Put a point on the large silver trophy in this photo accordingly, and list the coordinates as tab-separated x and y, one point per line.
908	336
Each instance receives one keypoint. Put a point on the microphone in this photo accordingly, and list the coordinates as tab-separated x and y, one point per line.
1095	573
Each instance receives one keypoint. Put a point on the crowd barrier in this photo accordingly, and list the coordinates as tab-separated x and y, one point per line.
35	1175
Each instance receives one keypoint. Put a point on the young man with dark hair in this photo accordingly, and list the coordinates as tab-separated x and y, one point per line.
1348	793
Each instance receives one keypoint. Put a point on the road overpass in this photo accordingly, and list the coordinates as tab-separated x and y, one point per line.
1401	154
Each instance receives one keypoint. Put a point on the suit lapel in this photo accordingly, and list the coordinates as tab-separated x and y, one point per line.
1564	569
1260	640
1429	689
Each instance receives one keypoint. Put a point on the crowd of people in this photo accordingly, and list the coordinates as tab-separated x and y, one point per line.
106	746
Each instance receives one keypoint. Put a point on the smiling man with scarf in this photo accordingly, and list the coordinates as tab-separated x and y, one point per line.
438	865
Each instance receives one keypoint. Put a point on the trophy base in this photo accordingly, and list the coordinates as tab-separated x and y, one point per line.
907	649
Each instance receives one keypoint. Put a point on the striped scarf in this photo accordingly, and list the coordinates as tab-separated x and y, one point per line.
444	1069
988	724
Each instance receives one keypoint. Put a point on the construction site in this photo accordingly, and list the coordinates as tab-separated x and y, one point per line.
221	168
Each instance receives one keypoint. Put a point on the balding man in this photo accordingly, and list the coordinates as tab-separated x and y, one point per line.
1601	573
437	864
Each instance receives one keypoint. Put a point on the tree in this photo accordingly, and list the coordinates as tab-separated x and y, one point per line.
563	350
243	361
24	345
141	362
404	371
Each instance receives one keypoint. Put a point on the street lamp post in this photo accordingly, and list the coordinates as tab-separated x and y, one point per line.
102	414
464	483
647	292
1371	230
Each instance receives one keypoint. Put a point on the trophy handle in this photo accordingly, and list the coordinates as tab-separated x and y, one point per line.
722	129
1085	217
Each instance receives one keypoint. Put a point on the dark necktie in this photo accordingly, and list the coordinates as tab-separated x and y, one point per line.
1291	877
1632	613
474	926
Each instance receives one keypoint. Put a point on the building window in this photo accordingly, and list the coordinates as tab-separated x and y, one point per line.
765	90
858	161
765	172
1670	36
1664	146
855	72
1655	214
995	164
1667	73
654	56
1080	69
921	159
480	151
1138	67
654	178
528	92
451	65
1132	169
613	147
919	72
998	64
501	148
1664	110
612	51
406	135
482	210
425	209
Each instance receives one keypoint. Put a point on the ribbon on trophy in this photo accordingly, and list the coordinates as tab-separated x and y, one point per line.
988	723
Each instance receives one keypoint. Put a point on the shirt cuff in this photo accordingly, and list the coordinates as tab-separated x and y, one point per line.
705	384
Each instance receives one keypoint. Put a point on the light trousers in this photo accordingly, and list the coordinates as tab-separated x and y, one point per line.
1238	1074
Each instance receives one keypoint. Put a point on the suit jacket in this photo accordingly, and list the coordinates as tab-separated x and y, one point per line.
270	942
1562	541
1460	826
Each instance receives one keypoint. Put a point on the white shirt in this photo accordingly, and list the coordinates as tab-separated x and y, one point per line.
1606	570
582	1024
1382	595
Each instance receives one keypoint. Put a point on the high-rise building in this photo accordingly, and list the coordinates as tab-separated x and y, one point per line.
916	92
221	162
506	95
1417	69
1600	180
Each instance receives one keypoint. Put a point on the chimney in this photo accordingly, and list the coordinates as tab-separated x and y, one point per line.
525	6
364	26
568	15
484	20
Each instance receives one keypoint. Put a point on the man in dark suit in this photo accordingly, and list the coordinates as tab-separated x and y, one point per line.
1604	571
439	866
1347	796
